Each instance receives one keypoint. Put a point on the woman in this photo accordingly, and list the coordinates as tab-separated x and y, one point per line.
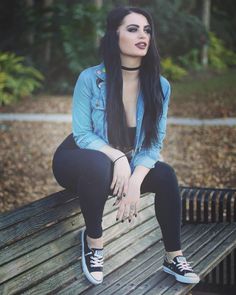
119	123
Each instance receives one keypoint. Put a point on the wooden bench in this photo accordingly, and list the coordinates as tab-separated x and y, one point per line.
40	245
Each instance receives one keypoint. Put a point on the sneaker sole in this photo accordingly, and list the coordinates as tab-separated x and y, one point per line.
182	279
84	266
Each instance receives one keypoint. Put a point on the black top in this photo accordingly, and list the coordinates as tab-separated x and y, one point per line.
132	132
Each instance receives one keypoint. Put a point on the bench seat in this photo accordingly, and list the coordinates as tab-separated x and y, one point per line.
40	249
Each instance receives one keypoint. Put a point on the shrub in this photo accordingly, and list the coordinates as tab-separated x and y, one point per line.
172	71
191	60
16	79
220	57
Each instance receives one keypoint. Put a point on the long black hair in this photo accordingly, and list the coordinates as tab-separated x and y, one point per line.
149	76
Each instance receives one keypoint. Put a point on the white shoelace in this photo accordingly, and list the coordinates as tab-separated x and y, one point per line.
184	265
96	260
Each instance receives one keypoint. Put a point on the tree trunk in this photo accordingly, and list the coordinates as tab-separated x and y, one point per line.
30	34
48	45
206	22
98	4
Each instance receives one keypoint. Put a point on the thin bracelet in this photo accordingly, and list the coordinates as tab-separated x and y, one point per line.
119	158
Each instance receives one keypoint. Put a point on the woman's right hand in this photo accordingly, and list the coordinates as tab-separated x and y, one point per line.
121	176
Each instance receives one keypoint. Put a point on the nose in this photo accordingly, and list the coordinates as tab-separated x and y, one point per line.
142	35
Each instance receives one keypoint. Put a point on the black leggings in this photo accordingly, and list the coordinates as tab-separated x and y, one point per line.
89	173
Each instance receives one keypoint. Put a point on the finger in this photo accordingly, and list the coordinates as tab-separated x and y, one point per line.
117	201
125	188
126	212
113	182
136	208
132	211
120	189
115	191
120	211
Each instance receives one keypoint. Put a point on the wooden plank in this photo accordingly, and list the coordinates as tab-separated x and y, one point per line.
34	208
51	249
169	282
169	285
142	281
40	238
217	251
20	283
38	222
116	278
54	231
69	240
62	277
36	257
140	278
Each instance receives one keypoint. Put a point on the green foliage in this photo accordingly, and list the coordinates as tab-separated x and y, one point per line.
16	79
178	28
171	70
62	39
220	58
191	60
77	30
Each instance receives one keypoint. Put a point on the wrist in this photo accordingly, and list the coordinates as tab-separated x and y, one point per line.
136	180
118	158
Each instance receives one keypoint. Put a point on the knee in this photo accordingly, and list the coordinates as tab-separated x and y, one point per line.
167	171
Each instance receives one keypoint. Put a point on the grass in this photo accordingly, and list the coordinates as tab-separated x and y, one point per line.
206	86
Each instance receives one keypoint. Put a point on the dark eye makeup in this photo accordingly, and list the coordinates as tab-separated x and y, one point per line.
134	29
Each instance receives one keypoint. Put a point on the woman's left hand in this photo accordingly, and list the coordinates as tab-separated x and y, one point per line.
129	204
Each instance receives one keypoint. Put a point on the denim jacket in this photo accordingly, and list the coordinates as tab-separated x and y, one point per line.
89	124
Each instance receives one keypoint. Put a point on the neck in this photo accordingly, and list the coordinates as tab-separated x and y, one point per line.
128	62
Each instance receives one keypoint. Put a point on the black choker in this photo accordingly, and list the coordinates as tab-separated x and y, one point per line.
130	69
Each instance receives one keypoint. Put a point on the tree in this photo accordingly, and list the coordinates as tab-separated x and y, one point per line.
206	22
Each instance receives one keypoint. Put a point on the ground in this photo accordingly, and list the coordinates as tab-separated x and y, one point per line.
201	156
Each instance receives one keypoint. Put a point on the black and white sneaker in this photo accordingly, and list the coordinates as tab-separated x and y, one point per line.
92	261
180	268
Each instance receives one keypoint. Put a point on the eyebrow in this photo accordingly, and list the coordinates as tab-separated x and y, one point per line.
134	25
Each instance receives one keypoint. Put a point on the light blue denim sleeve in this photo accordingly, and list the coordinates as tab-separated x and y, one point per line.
149	156
82	129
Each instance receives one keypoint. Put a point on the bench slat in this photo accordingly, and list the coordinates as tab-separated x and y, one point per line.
38	222
55	231
139	277
210	259
169	285
55	264
40	246
125	275
34	208
40	238
49	250
27	227
169	281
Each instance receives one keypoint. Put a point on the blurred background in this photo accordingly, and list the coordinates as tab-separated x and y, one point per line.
45	44
60	38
